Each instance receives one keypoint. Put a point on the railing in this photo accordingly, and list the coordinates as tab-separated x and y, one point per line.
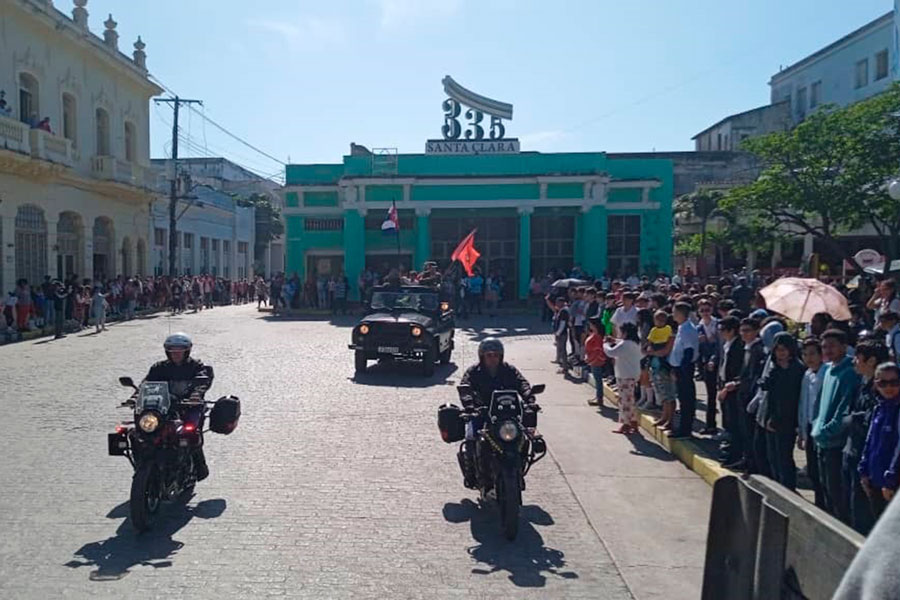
110	168
14	135
46	146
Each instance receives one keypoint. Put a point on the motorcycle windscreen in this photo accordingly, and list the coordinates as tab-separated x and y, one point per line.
153	395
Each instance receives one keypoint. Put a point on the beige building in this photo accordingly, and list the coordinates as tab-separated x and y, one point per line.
76	198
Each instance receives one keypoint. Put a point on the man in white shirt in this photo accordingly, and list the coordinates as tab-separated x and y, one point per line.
808	410
682	358
627	313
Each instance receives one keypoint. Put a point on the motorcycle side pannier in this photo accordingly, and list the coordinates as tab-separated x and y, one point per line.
451	424
225	413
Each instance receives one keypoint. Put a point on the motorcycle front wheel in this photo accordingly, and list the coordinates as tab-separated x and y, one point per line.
146	496
509	499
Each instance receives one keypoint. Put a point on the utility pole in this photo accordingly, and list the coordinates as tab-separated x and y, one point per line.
176	102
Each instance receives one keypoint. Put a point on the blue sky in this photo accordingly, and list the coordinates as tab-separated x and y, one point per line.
303	79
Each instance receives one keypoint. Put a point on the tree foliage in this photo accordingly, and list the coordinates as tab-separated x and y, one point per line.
827	176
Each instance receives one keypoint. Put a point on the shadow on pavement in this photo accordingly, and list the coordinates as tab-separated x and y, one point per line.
526	559
486	329
408	374
115	556
347	320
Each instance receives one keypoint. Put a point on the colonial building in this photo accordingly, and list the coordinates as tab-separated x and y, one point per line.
225	176
533	212
75	177
215	235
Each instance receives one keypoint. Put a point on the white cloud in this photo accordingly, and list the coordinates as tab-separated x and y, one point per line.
304	29
402	13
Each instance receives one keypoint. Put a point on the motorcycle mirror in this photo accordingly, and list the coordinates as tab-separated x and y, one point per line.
127	382
538	388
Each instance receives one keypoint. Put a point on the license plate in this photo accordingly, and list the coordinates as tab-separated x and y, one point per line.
388	349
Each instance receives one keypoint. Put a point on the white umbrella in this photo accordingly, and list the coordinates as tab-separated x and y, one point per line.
799	299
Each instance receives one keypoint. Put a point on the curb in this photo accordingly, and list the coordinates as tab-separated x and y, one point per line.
694	457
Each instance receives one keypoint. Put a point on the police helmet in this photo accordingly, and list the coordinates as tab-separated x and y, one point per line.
178	341
490	344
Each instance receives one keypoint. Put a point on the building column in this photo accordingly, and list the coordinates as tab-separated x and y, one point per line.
591	253
52	243
423	237
354	248
8	252
525	213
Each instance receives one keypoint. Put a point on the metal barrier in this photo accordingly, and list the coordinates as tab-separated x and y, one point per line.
766	542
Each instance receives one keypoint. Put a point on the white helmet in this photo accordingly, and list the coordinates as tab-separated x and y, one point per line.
178	341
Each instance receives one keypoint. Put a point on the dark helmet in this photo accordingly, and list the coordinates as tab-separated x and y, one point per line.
490	344
178	341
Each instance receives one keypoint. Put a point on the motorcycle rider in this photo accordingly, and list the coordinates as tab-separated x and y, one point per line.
489	375
180	366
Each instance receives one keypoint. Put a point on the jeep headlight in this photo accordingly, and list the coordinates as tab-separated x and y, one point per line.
363	329
416	331
508	431
149	422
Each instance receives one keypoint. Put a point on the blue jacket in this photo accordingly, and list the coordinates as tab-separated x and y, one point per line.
882	451
839	387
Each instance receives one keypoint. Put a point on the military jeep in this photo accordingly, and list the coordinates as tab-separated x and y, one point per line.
408	322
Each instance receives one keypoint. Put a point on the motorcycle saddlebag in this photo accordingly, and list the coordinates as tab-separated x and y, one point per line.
223	418
450	422
529	417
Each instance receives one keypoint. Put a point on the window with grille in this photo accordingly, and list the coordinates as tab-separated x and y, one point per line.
623	244
31	243
29	105
70	118
189	240
102	122
130	142
324	224
242	247
159	236
881	65
862	73
552	243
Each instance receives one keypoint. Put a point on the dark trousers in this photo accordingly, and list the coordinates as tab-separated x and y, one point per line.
734	450
877	503
860	510
812	468
830	466
709	379
780	449
59	320
759	459
687	398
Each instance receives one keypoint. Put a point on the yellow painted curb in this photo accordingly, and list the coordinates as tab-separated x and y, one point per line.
685	450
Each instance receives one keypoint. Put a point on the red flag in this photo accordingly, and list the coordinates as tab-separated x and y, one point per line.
466	253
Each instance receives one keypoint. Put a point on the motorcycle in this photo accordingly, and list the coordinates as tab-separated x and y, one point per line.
160	443
507	446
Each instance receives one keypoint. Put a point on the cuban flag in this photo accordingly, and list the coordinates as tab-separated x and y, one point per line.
391	224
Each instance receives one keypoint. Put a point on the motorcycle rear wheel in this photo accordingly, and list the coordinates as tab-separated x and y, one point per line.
146	496
509	499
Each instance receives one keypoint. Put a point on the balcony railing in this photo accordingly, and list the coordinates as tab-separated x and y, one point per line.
46	146
110	168
14	135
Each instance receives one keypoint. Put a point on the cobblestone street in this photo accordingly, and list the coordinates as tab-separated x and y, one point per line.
330	487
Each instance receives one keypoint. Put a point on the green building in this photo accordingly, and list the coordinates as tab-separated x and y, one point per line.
533	212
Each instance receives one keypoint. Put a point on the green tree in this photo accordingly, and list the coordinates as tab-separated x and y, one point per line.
688	246
827	177
269	225
701	205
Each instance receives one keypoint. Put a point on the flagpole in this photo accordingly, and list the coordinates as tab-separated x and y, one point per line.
394	204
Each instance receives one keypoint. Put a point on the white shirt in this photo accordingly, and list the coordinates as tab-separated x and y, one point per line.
633	281
893	306
687	337
627	355
622	316
808	409
892	341
725	348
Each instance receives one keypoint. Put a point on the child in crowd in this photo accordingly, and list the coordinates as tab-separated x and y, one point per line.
596	358
627	356
659	345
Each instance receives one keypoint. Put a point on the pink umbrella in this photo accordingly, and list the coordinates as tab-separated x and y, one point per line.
799	299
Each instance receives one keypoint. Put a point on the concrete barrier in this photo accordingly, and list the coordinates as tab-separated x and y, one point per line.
766	542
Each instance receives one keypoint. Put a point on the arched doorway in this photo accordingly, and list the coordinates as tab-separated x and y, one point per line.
141	257
31	243
70	240
104	244
126	257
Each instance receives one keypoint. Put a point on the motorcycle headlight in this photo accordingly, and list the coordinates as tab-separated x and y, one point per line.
416	331
508	431
148	422
363	329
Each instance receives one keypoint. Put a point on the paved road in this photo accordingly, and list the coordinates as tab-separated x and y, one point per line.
330	487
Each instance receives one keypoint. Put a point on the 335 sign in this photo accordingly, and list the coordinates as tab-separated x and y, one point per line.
474	121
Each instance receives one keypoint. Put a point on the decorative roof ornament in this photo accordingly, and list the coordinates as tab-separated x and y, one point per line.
80	13
111	36
140	57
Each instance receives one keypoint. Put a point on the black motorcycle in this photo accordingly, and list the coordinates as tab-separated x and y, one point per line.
507	446
160	443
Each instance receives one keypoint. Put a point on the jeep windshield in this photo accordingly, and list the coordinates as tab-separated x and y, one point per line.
416	301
